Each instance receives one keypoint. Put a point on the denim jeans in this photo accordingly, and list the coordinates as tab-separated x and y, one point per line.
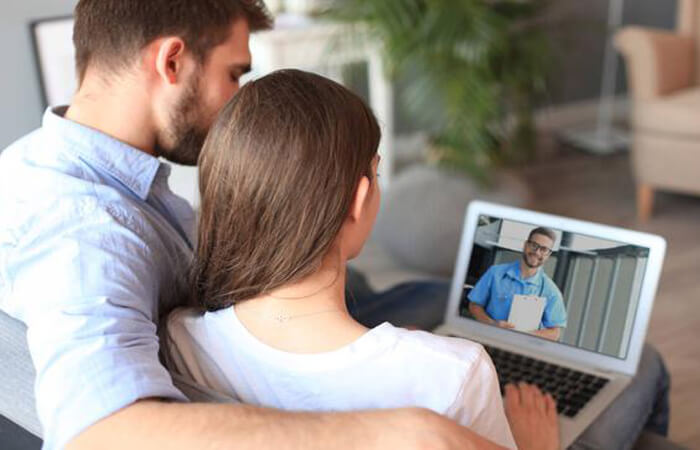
643	405
421	304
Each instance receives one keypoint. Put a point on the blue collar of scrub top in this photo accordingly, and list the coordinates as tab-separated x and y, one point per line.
513	271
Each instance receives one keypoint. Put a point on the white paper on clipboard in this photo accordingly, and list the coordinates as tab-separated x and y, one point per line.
526	312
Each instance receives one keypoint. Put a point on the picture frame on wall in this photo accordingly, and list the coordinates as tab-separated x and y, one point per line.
52	39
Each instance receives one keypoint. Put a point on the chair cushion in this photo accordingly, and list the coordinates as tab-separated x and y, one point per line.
674	114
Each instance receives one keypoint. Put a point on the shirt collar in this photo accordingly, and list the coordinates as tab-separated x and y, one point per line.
513	271
133	168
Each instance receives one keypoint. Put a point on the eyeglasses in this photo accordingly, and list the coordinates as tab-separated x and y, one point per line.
546	251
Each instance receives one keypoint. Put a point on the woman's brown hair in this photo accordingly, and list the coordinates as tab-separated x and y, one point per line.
278	173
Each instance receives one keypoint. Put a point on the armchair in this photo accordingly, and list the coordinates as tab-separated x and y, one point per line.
663	71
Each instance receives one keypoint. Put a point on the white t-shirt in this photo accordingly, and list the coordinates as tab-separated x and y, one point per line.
387	367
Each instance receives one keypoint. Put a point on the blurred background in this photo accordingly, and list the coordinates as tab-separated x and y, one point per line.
588	109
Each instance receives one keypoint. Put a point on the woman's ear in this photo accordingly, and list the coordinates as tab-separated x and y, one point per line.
169	58
357	208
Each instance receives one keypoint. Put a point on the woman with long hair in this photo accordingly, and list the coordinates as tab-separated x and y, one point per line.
288	177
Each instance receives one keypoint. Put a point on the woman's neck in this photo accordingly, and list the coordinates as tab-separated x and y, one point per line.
309	316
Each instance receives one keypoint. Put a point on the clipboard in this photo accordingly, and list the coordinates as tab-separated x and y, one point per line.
526	312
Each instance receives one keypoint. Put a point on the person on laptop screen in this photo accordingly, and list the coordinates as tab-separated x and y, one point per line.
491	299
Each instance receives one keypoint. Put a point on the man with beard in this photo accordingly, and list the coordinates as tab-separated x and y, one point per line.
492	297
95	248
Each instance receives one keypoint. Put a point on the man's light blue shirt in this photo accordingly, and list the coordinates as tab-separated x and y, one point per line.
495	290
93	245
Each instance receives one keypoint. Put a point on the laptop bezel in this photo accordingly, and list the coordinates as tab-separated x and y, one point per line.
564	352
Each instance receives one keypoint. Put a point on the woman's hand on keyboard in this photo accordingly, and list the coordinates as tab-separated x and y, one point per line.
532	416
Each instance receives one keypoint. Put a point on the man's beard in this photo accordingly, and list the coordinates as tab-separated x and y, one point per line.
185	136
527	262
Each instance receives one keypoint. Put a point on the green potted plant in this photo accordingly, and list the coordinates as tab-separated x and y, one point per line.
474	70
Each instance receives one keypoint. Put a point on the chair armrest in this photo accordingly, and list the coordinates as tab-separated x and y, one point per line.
658	62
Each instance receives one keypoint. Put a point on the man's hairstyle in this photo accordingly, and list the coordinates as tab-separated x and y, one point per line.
278	174
111	33
544	232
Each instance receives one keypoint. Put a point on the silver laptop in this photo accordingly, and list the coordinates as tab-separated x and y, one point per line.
565	308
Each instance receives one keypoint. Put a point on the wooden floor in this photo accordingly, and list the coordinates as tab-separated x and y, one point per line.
601	189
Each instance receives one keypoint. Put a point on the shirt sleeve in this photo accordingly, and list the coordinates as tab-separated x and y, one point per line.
88	294
479	405
482	291
555	311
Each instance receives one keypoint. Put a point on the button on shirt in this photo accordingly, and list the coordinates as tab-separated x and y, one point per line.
495	290
92	245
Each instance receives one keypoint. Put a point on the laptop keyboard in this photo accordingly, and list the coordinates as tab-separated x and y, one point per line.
570	388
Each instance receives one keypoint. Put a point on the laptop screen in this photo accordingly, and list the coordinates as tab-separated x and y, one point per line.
572	288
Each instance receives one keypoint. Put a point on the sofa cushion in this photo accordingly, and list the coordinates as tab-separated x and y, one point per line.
675	114
17	375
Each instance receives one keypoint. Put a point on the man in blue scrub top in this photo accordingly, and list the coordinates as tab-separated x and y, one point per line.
491	298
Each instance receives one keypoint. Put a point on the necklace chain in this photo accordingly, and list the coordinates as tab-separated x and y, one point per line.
283	318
